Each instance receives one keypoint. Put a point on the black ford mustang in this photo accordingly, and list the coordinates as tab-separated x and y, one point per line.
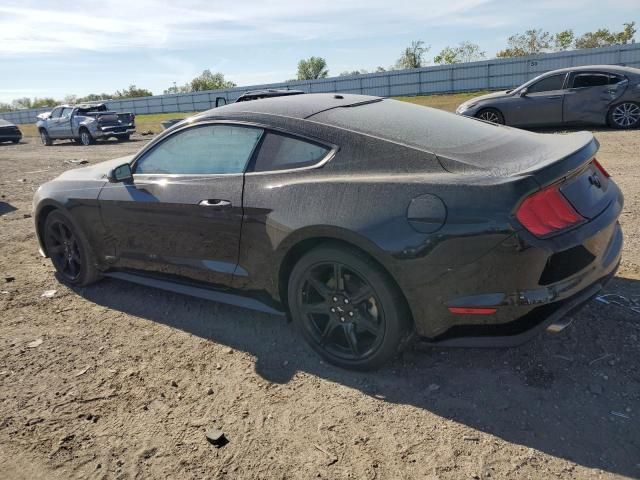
370	221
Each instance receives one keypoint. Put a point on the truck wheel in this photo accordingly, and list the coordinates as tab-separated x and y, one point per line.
85	138
45	138
123	138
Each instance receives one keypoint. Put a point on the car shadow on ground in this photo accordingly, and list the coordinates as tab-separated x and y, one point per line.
574	395
6	208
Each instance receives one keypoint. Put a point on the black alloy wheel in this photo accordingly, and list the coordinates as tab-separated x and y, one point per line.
347	308
68	251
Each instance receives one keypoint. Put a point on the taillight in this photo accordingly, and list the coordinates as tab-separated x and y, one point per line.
546	212
600	168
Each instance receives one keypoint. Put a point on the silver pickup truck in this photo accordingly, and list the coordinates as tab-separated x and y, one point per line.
84	123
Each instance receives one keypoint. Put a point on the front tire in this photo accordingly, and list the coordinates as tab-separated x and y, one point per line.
85	138
123	138
347	307
491	115
45	138
624	116
69	251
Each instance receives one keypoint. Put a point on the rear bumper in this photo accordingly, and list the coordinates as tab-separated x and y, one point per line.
114	131
521	313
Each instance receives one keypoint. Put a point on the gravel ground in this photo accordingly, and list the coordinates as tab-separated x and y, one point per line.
123	381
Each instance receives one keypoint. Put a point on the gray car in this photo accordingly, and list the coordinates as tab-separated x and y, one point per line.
589	95
84	123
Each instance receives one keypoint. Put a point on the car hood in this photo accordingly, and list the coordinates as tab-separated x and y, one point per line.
480	98
94	172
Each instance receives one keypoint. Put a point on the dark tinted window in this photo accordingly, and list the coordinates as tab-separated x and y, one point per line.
554	82
206	149
614	79
582	80
281	152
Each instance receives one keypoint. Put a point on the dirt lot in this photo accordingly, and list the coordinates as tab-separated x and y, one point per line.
126	379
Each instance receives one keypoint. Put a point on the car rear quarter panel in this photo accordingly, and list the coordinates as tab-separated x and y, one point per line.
361	198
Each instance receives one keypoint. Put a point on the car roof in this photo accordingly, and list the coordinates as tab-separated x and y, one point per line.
607	68
293	106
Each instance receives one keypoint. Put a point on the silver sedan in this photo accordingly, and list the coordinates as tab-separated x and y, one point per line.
589	95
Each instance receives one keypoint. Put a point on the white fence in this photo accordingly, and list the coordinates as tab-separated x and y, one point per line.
486	75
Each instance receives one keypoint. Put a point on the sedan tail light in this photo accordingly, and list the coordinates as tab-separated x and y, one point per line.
547	212
600	168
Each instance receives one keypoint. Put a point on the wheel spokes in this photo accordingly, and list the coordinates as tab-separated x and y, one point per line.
318	286
352	339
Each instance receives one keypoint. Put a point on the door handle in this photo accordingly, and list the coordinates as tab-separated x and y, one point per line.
554	96
215	202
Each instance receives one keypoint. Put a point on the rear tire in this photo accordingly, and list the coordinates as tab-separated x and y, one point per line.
85	138
347	308
45	138
491	115
624	116
69	251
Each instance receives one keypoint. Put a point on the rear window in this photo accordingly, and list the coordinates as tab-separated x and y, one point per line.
590	80
282	152
421	127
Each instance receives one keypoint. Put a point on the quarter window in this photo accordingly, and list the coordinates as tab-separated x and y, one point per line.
554	82
590	80
204	149
282	152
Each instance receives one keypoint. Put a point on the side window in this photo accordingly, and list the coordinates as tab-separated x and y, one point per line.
204	149
583	80
281	152
615	79
66	112
554	82
56	112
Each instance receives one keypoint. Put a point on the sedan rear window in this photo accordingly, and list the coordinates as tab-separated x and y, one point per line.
590	80
281	152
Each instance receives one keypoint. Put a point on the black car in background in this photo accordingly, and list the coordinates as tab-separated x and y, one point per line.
9	132
267	93
370	221
587	95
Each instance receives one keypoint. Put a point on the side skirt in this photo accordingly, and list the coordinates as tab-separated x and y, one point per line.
213	295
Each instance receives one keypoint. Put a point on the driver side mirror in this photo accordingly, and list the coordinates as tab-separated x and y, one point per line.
121	173
523	92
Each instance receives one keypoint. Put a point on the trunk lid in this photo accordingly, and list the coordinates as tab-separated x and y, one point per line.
562	159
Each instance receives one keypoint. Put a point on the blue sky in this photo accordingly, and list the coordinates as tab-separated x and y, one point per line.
55	48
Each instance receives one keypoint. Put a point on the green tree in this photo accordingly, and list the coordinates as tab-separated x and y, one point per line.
603	37
530	42
312	68
465	52
347	73
132	92
207	81
413	56
563	40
